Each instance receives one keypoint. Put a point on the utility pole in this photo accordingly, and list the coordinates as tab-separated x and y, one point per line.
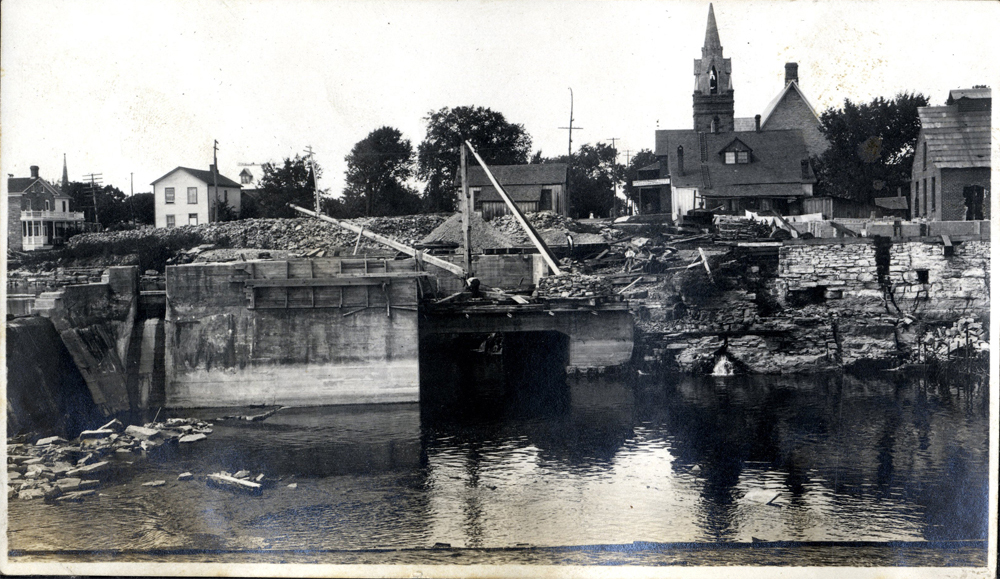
629	204
569	152
614	178
215	179
312	167
466	214
131	194
95	182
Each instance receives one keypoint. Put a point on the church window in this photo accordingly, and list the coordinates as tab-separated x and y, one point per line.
713	82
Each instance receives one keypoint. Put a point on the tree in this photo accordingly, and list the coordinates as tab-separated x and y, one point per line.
497	141
871	147
110	201
641	159
377	169
141	208
291	182
593	172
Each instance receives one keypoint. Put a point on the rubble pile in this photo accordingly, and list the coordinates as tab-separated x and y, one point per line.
731	228
59	470
544	220
574	285
964	337
483	234
305	234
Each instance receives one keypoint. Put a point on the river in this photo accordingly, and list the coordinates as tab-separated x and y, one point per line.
632	469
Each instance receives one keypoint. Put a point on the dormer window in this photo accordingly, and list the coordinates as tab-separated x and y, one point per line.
736	153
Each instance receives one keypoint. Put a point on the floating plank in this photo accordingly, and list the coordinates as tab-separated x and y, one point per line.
222	481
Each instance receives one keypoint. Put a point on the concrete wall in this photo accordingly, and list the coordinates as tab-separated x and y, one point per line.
508	272
95	323
956	284
359	348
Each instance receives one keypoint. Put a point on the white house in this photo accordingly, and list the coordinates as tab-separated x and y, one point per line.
187	196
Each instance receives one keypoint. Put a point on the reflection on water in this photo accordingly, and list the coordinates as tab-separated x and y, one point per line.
559	462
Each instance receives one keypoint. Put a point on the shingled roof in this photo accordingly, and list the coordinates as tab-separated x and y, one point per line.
775	170
205	176
522	182
956	139
18	185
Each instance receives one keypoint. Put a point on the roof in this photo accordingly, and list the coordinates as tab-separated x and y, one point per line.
969	93
18	185
522	182
771	106
955	139
892	202
775	170
205	176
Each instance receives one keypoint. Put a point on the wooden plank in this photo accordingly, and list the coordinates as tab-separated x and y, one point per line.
532	234
445	265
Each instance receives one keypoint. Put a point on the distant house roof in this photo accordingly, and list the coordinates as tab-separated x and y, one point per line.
956	139
969	93
18	185
522	182
205	176
893	203
775	169
792	86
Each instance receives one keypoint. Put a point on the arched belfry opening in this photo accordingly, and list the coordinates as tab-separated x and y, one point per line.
713	82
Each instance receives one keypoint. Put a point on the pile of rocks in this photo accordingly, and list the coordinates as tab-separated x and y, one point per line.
541	220
574	285
60	470
964	337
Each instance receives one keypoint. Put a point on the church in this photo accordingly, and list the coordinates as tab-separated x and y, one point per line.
730	164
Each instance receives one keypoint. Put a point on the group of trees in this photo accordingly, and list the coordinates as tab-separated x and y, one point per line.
114	209
870	155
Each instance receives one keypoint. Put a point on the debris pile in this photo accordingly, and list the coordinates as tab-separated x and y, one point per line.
731	228
574	286
483	234
60	470
965	337
547	220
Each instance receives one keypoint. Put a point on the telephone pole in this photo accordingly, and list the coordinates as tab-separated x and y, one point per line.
614	177
95	182
215	179
569	152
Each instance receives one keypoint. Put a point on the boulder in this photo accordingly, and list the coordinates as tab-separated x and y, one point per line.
50	440
90	469
68	484
185	476
28	494
89	484
192	437
154	483
142	433
100	433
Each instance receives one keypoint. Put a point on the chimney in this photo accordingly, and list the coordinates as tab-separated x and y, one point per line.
791	72
211	168
805	168
756	123
34	171
680	160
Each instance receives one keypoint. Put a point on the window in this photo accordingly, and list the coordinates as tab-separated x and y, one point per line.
477	203
926	212
916	198
246	177
171	221
925	155
64	206
192	219
168	194
713	82
933	193
923	276
742	157
46	204
545	201
715	124
192	195
24	229
730	157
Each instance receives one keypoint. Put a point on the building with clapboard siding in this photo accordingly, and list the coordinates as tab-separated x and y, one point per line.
536	187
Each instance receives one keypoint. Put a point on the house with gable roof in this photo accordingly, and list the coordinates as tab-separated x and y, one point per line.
39	214
950	179
187	196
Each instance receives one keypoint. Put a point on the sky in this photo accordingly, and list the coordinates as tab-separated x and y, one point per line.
131	90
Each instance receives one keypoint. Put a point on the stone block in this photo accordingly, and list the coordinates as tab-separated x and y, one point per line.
141	433
192	438
91	434
50	440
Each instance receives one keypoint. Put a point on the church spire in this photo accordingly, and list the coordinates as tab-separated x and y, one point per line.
712	43
713	87
65	178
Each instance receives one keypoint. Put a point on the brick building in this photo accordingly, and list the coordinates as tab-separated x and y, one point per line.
950	180
39	214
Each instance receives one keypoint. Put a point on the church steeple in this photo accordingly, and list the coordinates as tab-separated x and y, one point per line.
713	88
65	178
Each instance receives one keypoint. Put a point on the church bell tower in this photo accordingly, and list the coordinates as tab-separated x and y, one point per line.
713	88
